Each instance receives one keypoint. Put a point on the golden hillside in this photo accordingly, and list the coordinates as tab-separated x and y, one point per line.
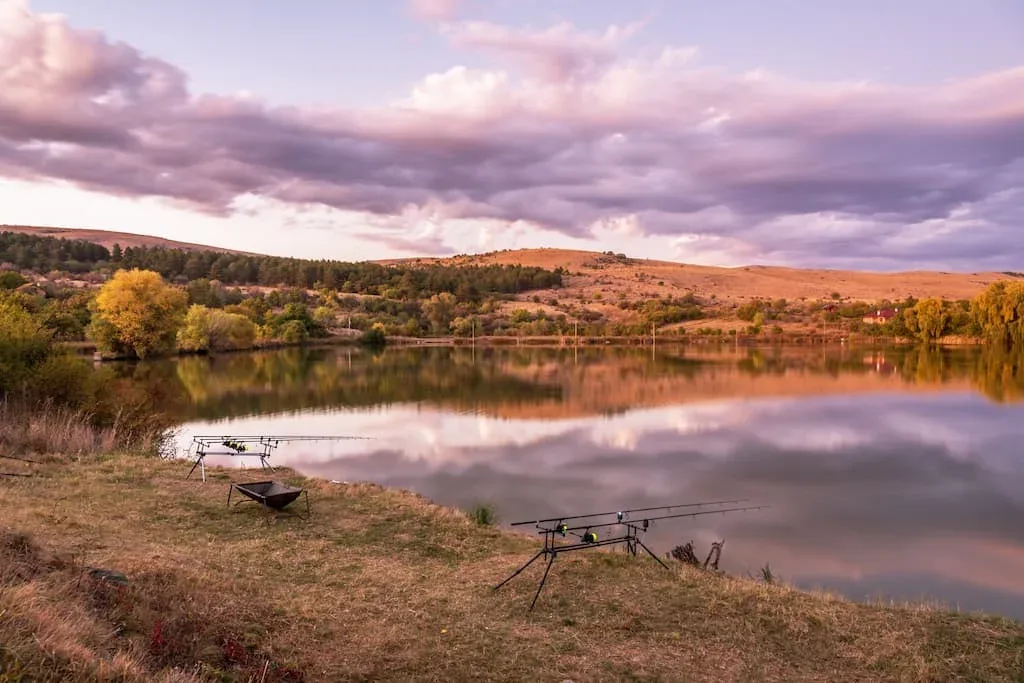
602	279
593	273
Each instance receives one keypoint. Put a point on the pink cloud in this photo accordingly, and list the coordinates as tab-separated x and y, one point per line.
555	53
585	137
435	10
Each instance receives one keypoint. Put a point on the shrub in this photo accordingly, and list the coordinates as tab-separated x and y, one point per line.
483	514
373	337
294	332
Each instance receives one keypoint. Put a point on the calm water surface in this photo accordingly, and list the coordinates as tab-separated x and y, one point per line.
891	474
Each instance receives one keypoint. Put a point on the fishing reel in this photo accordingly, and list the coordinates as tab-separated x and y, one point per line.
562	528
590	537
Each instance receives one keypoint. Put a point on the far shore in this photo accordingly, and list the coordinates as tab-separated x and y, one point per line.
88	348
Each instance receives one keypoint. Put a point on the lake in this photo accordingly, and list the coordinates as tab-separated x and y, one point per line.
891	473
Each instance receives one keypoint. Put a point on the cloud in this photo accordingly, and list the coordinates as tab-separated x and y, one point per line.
556	53
911	494
434	10
573	134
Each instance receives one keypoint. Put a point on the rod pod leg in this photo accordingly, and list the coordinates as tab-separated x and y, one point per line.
651	554
518	571
543	580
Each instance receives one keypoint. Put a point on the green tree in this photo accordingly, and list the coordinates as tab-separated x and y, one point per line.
137	312
998	313
231	331
11	280
294	332
440	309
928	319
208	329
194	334
24	345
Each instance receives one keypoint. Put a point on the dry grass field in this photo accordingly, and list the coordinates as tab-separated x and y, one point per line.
384	585
613	278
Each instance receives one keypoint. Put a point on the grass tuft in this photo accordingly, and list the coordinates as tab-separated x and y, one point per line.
483	514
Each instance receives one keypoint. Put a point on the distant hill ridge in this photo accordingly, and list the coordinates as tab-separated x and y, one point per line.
108	238
605	276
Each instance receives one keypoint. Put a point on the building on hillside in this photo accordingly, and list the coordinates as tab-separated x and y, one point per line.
882	315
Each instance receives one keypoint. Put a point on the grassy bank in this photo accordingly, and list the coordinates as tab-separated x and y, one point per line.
383	585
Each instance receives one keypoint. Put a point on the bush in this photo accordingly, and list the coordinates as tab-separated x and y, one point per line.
11	280
483	514
373	337
294	332
208	329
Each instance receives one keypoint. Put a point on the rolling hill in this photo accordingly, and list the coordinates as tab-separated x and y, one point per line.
610	275
108	238
601	280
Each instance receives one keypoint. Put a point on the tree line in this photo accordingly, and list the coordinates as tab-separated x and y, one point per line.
409	281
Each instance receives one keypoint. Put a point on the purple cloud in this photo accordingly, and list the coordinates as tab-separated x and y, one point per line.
797	172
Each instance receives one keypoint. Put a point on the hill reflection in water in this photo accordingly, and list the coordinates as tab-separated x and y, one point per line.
892	473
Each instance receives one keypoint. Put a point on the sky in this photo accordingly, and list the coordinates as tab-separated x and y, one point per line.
872	135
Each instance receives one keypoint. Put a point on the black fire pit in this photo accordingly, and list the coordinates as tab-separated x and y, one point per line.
270	494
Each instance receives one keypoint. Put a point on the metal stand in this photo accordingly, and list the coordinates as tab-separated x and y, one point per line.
238	446
202	445
631	539
263	503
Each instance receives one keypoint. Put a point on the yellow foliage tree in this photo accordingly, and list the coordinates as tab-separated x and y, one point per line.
999	312
928	319
209	329
137	312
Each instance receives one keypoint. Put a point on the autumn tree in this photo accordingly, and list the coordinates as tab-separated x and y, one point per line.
194	334
211	329
137	312
440	309
998	313
928	319
24	344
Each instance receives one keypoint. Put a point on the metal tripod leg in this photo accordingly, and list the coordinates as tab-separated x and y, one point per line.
545	578
651	554
198	463
518	571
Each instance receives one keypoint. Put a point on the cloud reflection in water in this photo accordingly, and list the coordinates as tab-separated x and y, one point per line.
895	495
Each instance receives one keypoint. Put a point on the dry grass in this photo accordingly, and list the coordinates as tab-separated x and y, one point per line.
383	585
592	274
48	430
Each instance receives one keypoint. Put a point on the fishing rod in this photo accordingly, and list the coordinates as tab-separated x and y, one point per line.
238	446
259	438
647	520
622	513
589	540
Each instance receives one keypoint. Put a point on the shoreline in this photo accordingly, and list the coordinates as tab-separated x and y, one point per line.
87	348
381	583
